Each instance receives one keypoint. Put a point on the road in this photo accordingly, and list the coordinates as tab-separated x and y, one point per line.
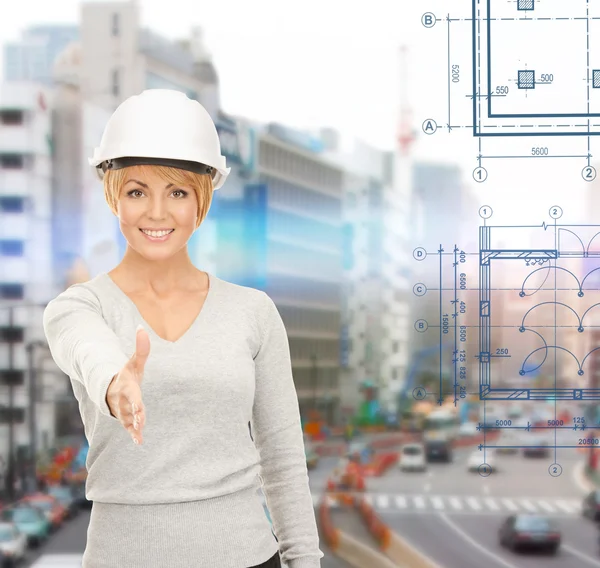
453	515
72	536
450	514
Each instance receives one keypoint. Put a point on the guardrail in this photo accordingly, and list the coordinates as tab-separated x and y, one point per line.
391	543
343	545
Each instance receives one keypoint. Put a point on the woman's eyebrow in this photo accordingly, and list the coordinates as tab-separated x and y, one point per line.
144	185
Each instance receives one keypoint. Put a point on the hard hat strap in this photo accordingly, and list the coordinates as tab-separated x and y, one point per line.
119	163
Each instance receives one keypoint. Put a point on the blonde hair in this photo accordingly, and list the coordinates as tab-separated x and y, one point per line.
200	183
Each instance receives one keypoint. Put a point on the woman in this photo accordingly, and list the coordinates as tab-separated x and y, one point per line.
183	380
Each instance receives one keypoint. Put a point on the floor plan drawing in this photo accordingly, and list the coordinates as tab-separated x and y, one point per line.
517	323
523	77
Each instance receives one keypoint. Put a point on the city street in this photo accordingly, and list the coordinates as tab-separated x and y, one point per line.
453	515
449	513
71	537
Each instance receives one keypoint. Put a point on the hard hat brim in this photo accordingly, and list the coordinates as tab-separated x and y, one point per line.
217	175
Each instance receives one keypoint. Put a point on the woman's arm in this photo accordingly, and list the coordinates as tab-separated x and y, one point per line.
279	439
82	344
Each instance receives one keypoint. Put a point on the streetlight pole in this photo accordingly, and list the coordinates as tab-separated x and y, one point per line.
30	347
11	405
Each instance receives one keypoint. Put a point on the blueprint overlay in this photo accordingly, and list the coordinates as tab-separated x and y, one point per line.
522	317
523	77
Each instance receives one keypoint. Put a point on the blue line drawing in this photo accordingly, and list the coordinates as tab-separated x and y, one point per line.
564	236
509	77
536	321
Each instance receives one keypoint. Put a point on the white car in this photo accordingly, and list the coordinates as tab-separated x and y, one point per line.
476	460
412	458
13	542
468	429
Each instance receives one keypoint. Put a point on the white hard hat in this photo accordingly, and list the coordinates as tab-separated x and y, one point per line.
161	127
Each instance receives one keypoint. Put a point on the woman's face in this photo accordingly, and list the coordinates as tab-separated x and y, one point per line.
149	203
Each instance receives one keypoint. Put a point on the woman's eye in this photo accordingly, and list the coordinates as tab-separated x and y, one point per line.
134	191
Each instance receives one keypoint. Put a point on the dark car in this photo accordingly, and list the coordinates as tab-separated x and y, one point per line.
438	450
591	506
539	448
531	532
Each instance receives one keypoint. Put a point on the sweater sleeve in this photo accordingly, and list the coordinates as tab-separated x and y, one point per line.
280	442
82	344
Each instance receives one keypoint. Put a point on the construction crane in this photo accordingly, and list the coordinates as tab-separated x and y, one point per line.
406	131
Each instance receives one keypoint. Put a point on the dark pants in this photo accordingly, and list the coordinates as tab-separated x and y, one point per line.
273	562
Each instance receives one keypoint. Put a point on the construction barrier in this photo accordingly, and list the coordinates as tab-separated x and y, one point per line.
391	544
331	534
344	546
380	464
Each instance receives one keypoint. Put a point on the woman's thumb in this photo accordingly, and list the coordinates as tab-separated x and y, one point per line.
142	348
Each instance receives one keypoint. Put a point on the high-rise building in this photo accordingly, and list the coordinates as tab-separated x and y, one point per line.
375	276
291	223
25	249
32	57
113	59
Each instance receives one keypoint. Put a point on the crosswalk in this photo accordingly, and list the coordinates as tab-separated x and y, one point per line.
464	504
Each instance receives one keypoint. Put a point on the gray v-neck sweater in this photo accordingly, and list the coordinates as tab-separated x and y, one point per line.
222	417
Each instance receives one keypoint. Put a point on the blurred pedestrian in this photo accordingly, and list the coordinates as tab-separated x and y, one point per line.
158	349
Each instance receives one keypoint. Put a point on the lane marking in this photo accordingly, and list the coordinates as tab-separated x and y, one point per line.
383	501
510	505
546	506
566	506
528	505
401	501
491	503
438	502
473	503
455	502
581	555
474	543
419	502
577	505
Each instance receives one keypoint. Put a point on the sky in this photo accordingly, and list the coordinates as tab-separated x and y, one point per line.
336	63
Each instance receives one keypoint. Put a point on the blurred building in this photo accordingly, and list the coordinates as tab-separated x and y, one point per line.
32	57
376	278
111	60
290	218
444	216
25	251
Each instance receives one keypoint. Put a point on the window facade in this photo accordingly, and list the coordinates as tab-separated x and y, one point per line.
11	247
12	204
11	291
11	117
12	161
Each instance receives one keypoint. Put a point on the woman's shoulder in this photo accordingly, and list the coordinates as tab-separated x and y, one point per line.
242	293
87	293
